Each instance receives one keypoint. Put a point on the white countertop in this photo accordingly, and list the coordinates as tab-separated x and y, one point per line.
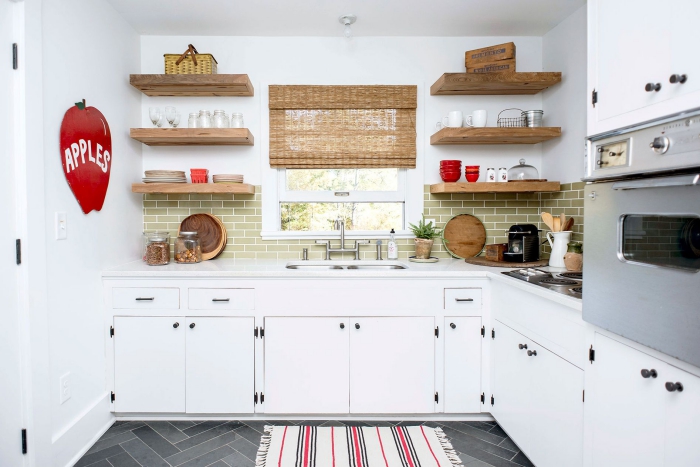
271	268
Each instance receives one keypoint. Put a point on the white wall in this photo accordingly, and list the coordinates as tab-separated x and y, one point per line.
88	53
335	60
565	105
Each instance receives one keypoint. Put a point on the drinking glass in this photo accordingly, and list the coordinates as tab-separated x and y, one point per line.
170	114
154	114
161	121
176	120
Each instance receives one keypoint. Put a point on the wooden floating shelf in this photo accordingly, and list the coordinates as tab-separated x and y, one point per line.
495	187
193	136
494	135
237	188
193	85
469	84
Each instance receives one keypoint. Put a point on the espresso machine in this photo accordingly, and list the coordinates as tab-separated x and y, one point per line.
523	244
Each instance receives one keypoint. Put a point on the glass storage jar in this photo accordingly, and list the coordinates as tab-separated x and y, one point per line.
523	171
193	122
237	120
204	119
188	248
220	119
156	252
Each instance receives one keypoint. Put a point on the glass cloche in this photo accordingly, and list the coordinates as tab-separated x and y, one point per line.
523	171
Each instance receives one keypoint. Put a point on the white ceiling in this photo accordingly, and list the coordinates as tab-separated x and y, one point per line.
320	17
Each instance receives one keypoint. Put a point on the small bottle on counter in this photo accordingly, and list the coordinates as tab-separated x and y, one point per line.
502	174
490	174
391	251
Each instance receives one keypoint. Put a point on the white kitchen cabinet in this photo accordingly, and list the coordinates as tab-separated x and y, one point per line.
149	364
220	365
307	365
392	365
635	420
463	341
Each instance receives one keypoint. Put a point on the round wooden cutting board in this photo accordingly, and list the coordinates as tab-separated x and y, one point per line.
211	231
464	236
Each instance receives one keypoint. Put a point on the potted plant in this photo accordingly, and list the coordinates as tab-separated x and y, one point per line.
425	233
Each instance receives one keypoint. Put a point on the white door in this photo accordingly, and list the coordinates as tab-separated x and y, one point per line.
10	343
684	39
626	409
306	365
392	365
682	418
556	403
511	384
462	365
149	364
220	365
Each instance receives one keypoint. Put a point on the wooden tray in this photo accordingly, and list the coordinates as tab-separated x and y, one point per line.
481	261
464	236
211	232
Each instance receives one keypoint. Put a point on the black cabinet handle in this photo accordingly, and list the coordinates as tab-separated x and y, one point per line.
672	387
649	373
220	299
680	79
145	299
453	325
522	346
342	325
176	325
191	325
656	87
532	353
464	299
357	325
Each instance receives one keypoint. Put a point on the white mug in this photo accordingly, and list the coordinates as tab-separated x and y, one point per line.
454	119
478	118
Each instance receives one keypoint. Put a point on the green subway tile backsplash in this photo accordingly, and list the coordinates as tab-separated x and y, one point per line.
242	216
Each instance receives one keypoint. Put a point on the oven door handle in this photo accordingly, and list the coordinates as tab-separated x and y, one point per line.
676	180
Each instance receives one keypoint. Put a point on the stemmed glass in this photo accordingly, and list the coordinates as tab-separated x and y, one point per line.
170	113
176	120
154	114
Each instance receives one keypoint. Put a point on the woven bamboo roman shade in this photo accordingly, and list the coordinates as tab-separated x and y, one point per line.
342	127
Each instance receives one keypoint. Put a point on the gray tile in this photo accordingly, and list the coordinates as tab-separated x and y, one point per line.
498	431
279	422
355	423
202	427
310	422
257	425
143	454
469	444
509	444
219	464
479	425
182	424
246	448
160	445
210	457
249	434
123	460
469	461
122	428
238	460
112	441
475	432
98	456
376	423
521	459
410	423
335	423
168	431
102	463
203	448
207	435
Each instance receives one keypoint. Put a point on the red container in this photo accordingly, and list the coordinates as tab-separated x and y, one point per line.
451	161
472	177
450	178
199	171
199	178
471	168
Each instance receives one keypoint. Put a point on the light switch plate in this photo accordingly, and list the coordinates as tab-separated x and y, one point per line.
427	221
61	226
65	388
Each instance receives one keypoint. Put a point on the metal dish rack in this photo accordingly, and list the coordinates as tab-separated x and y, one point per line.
511	122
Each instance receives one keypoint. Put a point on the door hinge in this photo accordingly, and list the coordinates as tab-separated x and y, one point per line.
262	397
112	397
483	397
18	250
583	396
483	331
594	97
591	355
15	64
437	331
262	332
255	398
24	440
492	400
256	332
111	331
437	398
493	333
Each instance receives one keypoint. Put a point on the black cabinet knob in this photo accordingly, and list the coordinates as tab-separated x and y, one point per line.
342	325
191	325
522	346
453	325
649	373
357	325
673	387
655	87
532	353
678	79
176	325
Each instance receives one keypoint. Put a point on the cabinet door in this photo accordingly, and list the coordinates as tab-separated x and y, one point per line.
392	365
149	364
511	384
462	365
556	404
626	410
306	365
682	418
220	365
684	40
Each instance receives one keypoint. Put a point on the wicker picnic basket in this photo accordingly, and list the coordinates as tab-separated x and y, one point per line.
190	62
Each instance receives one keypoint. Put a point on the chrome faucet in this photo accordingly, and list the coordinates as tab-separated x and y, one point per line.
339	224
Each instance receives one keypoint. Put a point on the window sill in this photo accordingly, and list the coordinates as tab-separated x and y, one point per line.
332	235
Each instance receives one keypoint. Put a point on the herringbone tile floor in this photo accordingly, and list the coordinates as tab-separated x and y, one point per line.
235	443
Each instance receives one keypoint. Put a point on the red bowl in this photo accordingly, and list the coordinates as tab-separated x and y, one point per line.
472	177
449	178
450	172
450	164
451	161
472	167
468	171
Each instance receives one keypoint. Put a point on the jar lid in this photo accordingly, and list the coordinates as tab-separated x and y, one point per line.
188	234
194	114
157	236
236	114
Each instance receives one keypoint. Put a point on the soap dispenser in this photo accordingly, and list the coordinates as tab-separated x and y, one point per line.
392	251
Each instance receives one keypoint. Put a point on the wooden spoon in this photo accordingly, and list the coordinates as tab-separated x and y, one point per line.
557	225
562	221
569	225
547	219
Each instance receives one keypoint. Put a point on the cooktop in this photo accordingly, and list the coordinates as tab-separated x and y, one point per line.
567	283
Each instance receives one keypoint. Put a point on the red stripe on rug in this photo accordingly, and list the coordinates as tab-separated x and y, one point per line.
333	446
405	447
284	435
358	454
307	439
381	445
429	447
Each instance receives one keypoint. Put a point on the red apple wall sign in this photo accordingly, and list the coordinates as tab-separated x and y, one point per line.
86	155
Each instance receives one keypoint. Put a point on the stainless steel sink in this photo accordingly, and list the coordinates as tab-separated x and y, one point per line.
348	265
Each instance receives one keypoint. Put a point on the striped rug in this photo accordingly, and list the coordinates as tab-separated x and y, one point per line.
399	446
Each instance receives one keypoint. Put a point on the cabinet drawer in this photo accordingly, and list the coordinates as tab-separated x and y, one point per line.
221	299
145	297
465	299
